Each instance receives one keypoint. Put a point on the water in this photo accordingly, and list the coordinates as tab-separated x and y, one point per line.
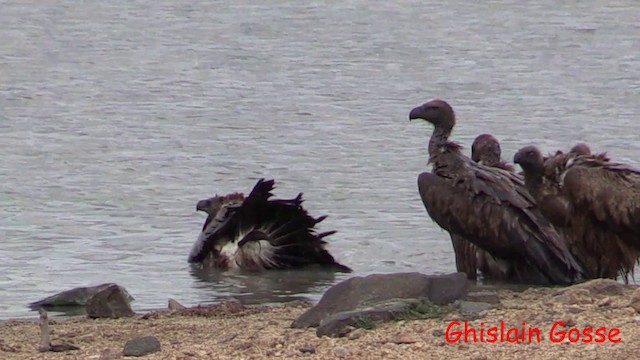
117	117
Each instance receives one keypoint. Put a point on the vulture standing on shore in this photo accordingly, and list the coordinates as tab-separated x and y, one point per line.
469	258
486	150
490	207
594	201
259	233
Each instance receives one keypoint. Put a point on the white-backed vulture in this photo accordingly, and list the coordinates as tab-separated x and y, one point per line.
490	207
259	233
596	203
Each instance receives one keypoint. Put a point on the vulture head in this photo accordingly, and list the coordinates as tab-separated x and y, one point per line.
486	150
213	205
580	149
437	112
529	158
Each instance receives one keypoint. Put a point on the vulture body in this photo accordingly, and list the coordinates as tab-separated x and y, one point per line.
490	207
486	150
594	201
260	233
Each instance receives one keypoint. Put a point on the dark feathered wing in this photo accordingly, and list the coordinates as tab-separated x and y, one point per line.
610	191
287	225
496	213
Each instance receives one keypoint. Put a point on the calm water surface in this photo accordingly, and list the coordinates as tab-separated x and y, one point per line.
117	117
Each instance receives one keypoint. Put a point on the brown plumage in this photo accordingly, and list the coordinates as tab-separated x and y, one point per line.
596	203
490	207
260	233
486	151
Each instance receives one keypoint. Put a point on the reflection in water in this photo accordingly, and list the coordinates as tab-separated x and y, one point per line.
264	287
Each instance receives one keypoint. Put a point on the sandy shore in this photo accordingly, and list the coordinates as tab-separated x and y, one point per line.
232	331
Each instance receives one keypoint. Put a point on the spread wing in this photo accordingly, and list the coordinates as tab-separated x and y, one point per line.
286	224
496	213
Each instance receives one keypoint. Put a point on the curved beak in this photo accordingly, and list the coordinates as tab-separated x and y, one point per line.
202	205
417	113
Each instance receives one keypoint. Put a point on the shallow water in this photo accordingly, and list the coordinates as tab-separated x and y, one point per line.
117	117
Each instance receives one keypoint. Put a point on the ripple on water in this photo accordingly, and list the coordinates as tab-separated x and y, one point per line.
117	122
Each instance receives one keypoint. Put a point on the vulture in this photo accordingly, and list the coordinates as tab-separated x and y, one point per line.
595	203
469	258
486	151
490	207
260	233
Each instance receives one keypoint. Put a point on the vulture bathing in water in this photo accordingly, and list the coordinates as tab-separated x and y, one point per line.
595	203
260	233
490	207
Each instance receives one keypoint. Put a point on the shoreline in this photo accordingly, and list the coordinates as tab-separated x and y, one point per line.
233	331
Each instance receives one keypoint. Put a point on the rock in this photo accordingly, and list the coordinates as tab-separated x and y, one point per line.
108	354
75	297
174	305
356	334
489	297
141	346
598	287
575	310
402	340
308	349
604	302
335	324
341	352
635	300
111	302
472	310
365	292
438	333
573	297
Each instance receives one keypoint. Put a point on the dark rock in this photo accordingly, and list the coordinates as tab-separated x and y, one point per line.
471	310
489	297
141	346
308	349
366	319
111	302
175	305
75	297
63	347
438	333
366	292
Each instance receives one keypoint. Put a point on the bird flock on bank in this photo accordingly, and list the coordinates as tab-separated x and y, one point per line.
565	218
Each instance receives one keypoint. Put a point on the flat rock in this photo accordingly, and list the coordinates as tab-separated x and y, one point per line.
598	287
308	349
75	297
472	310
365	293
111	302
489	297
336	324
141	346
575	296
